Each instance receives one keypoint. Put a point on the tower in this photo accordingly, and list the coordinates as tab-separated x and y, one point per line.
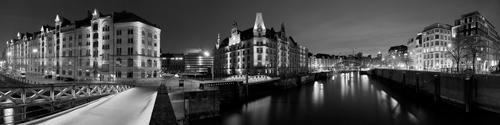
282	30
259	29
218	41
235	35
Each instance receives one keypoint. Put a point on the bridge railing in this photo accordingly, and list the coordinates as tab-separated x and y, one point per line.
50	97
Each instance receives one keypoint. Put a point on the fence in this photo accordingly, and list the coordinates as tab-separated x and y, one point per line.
34	101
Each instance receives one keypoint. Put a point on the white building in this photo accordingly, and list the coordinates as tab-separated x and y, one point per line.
119	46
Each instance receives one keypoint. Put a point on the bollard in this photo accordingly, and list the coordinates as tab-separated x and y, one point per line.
468	93
417	83
437	89
404	82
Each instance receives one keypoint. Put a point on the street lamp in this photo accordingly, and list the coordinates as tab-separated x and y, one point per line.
206	53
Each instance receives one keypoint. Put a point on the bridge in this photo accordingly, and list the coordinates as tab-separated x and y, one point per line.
28	102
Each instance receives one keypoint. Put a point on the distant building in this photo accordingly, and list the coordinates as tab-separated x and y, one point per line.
476	25
101	47
415	52
172	63
198	62
397	56
259	50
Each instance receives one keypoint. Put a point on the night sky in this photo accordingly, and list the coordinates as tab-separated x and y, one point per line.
327	26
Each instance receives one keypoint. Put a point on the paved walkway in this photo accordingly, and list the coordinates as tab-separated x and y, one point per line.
132	107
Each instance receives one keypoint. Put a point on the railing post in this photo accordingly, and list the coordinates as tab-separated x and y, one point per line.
417	82
403	84
89	91
52	98
437	88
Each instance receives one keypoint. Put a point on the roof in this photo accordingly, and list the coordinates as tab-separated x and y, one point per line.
125	16
437	25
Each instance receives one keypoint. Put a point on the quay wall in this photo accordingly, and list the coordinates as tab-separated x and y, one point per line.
472	90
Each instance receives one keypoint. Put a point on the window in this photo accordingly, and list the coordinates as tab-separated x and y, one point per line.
119	62
88	35
105	28
130	40
95	36
95	27
259	50
118	32
130	51
105	46
118	41
130	31
106	37
130	62
259	57
130	74
118	74
150	64
118	51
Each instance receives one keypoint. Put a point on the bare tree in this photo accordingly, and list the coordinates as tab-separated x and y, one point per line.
474	46
456	51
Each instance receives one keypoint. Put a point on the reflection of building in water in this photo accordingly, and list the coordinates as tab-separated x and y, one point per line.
318	94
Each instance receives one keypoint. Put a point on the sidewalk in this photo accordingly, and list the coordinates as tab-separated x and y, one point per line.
132	107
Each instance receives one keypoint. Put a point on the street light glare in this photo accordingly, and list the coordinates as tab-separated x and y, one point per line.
206	54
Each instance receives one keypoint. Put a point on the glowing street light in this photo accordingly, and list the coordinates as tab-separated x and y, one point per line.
35	50
206	53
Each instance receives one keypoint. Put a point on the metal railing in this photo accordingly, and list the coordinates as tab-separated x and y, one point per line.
34	101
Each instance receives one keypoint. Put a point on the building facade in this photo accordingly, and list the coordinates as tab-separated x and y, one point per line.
114	47
198	62
478	27
397	57
172	62
436	40
415	52
259	51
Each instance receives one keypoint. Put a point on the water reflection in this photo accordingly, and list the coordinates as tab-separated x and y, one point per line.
346	98
318	93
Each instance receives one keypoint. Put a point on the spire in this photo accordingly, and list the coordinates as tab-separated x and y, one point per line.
41	29
259	22
95	14
57	18
282	26
235	24
18	35
283	32
234	30
218	41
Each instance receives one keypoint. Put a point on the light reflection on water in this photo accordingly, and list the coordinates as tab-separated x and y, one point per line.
318	93
347	98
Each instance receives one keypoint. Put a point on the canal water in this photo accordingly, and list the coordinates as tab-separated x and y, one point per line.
346	99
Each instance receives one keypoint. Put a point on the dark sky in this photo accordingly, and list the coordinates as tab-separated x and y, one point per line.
326	26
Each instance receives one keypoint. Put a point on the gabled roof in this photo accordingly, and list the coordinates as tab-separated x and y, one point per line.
125	16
